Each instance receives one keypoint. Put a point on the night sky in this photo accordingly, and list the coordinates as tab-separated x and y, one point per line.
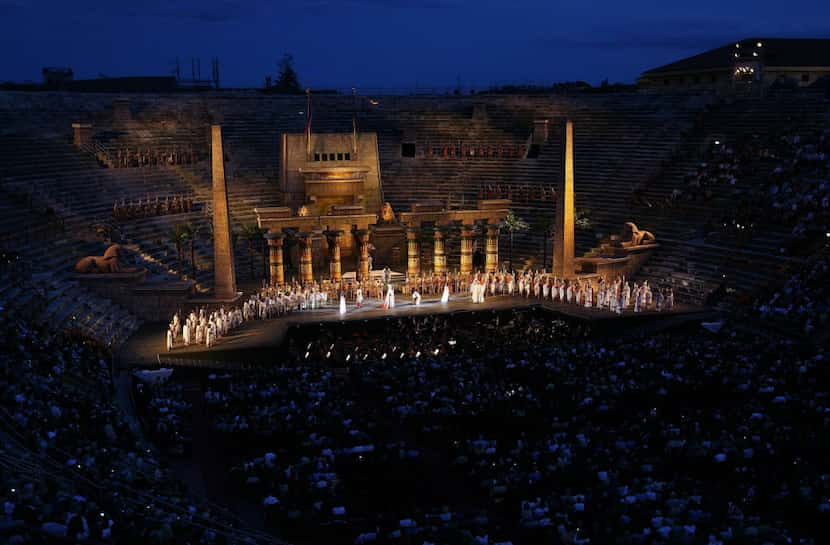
385	44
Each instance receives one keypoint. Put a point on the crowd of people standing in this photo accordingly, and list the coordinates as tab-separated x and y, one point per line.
151	207
146	157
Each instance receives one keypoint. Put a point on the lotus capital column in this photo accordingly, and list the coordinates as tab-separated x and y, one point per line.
333	238
275	257
439	256
466	249
413	252
363	241
491	263
306	241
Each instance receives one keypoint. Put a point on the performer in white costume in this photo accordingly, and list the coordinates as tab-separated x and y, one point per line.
416	298
445	297
342	305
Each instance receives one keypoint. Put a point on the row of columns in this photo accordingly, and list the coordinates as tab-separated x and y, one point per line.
335	238
439	264
305	240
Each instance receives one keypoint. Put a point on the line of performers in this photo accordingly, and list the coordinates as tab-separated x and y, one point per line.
202	327
206	327
158	206
616	295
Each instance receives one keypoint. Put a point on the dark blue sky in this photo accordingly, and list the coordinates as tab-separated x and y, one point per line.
386	43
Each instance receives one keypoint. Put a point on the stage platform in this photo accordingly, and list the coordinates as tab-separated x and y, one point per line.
147	346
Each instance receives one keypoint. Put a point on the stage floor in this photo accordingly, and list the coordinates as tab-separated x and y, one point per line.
147	346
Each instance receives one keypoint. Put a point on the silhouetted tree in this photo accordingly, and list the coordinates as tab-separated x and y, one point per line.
513	224
287	81
179	235
253	236
189	233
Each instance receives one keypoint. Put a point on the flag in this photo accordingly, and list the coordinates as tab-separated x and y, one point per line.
354	121
308	122
354	134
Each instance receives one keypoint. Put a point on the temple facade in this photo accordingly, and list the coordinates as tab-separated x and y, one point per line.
326	171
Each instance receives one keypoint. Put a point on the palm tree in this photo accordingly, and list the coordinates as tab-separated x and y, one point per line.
179	235
549	232
582	220
189	233
513	224
253	235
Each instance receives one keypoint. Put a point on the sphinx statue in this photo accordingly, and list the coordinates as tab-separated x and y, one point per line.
633	236
387	214
107	263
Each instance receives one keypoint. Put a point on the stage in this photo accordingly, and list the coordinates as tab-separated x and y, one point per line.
146	348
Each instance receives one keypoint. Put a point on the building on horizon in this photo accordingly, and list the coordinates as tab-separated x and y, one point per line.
792	62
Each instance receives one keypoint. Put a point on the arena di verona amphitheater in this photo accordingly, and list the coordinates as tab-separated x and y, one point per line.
565	317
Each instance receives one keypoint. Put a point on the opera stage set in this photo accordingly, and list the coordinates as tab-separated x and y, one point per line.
338	212
344	234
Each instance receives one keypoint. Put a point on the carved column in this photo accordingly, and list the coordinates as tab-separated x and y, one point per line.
333	238
413	252
491	264
363	266
306	269
276	257
439	265
466	249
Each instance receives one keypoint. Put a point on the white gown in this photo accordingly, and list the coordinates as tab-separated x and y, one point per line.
390	297
342	305
445	297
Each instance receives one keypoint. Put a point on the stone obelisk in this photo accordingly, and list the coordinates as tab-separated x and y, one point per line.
224	274
563	239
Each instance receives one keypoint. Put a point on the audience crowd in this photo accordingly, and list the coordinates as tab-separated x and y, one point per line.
72	470
784	179
797	191
803	300
518	428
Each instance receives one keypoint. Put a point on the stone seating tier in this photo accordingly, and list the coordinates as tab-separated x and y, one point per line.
622	140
